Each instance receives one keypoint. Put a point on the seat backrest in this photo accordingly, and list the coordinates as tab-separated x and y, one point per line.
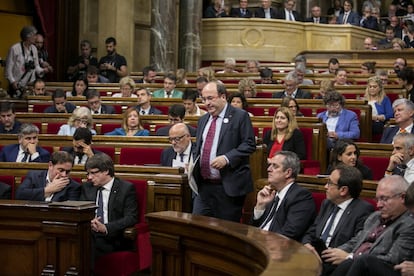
141	192
53	128
9	180
318	197
140	156
40	108
256	111
108	127
378	165
110	151
307	137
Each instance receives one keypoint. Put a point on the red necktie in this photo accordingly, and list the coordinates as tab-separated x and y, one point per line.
205	157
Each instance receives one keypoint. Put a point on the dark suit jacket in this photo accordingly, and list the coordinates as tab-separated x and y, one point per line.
72	152
370	23
389	133
152	110
5	191
351	222
236	12
168	154
9	154
107	109
164	131
395	244
282	15
322	20
261	14
353	18
52	109
296	143
295	214
122	213
33	188
14	130
236	142
300	94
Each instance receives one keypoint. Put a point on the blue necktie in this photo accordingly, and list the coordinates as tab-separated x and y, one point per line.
328	228
25	157
182	157
99	211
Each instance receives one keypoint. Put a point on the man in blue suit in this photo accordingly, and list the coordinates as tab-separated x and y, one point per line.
225	140
348	16
403	115
341	123
53	184
283	206
144	106
27	149
242	11
180	152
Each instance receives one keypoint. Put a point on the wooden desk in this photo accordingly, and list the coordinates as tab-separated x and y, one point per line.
184	244
37	238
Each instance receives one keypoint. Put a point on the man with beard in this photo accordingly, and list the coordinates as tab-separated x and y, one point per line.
113	66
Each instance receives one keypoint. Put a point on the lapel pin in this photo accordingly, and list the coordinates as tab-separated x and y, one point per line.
225	120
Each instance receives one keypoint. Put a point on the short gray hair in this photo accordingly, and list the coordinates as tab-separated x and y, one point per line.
27	129
292	76
407	103
397	182
291	161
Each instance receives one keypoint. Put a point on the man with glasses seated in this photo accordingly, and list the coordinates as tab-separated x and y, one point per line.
387	237
94	103
291	88
53	184
402	157
176	114
179	154
27	150
340	122
117	206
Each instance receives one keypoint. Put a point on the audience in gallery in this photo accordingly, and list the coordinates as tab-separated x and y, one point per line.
403	116
112	66
238	100
190	97
288	13
336	9
79	87
217	9
285	134
348	16
131	125
229	65
127	88
401	161
60	105
242	11
292	104
266	10
81	117
144	106
81	64
409	36
386	43
247	87
176	114
316	16
346	152
368	21
8	122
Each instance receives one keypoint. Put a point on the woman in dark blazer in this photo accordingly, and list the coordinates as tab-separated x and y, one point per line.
285	134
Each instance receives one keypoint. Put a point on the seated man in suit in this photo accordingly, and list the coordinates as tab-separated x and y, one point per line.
144	103
81	150
53	184
266	11
402	158
316	16
169	90
60	105
342	214
242	11
340	122
283	206
8	122
176	114
388	234
27	149
403	115
117	206
288	13
94	103
291	88
5	191
180	152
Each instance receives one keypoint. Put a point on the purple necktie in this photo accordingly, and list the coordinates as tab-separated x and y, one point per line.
205	157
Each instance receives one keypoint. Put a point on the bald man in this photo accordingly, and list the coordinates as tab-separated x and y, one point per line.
179	154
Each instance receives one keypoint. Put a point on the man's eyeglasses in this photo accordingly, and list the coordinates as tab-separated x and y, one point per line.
92	172
209	98
385	199
330	183
176	139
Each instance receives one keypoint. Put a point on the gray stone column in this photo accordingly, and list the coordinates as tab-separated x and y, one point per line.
164	34
191	13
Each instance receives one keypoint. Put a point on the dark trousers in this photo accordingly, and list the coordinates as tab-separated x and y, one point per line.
365	265
213	201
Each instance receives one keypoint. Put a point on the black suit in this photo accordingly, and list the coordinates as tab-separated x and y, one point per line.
295	143
164	131
322	20
5	191
236	12
300	94
122	213
168	155
389	133
282	15
152	110
294	215
107	109
351	222
72	152
260	13
33	188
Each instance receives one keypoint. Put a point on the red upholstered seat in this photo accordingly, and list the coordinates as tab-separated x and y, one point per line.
162	108
110	151
256	111
378	165
9	180
307	112
39	108
53	128
318	197
125	263
263	95
108	127
140	156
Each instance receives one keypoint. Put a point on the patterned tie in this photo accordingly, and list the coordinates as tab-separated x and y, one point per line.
205	157
325	234
291	16
143	112
99	211
25	157
345	18
272	212
402	130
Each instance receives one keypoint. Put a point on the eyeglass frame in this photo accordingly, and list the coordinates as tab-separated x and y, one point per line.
177	139
385	199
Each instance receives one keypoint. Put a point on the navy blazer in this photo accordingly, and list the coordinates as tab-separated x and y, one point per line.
282	15
152	110
296	143
353	18
351	222
5	191
9	154
164	131
122	213
236	142
300	94
236	12
168	154
389	133
294	215
14	130
33	188
107	109
261	14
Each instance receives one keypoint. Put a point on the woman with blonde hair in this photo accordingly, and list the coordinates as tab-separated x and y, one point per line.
207	72
81	117
324	86
131	125
381	105
181	75
127	87
285	134
398	44
247	87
